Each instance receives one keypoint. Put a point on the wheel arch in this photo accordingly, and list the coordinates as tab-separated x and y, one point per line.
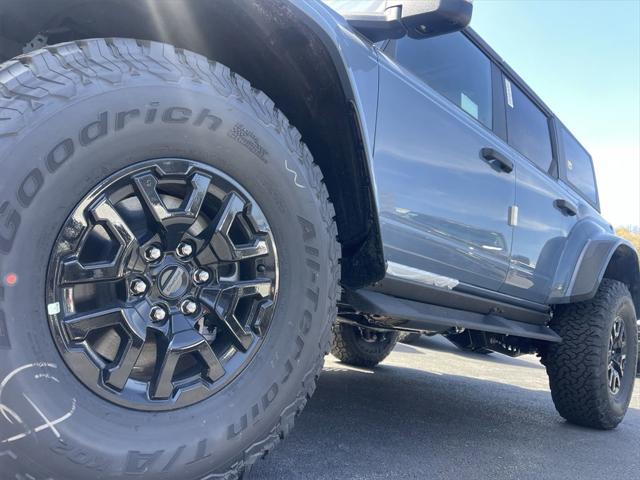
606	256
293	51
624	266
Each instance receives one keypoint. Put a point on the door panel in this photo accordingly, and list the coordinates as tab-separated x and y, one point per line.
443	207
546	211
540	235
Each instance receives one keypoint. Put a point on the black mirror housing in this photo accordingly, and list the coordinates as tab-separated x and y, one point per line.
413	18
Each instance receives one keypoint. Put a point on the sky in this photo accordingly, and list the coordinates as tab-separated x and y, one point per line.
582	57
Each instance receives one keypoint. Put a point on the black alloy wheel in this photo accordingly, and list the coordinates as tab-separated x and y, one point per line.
616	356
162	284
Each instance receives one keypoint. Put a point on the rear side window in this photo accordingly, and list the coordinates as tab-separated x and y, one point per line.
527	127
455	68
579	167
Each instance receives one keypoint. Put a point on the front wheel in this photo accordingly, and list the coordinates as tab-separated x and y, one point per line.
591	372
171	266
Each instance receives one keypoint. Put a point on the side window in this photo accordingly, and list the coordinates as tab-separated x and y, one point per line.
579	167
455	68
527	127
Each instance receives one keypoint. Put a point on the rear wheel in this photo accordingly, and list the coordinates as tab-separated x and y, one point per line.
361	346
591	372
160	223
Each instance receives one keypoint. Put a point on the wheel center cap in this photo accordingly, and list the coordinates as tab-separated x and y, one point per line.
173	281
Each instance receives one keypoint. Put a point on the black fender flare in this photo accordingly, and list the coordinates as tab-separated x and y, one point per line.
605	255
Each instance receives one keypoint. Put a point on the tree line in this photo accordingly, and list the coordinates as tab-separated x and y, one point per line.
633	237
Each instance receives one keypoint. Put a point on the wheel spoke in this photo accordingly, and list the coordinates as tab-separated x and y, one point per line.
214	369
193	203
260	286
73	271
186	342
614	382
263	315
173	221
162	385
119	371
610	375
105	213
223	300
79	326
242	339
217	237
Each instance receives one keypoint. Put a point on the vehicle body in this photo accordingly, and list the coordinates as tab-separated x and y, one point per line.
450	219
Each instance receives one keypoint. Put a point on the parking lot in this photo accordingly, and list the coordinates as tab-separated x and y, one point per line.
428	412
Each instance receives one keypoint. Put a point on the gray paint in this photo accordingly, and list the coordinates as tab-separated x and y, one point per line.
443	208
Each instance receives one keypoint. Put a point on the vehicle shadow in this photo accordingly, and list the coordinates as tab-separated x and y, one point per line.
396	422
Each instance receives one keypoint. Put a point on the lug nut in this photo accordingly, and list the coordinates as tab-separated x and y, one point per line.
138	287
189	307
152	254
184	250
158	313
201	276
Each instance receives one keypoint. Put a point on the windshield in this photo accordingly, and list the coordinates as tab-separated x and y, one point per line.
359	6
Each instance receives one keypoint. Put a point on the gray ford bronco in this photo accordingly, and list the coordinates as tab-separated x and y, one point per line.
192	192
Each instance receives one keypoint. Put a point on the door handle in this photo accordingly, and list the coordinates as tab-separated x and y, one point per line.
566	206
495	157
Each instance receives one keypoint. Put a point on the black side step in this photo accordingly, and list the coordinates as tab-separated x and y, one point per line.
399	312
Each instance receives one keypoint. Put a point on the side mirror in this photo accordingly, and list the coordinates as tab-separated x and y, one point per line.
415	18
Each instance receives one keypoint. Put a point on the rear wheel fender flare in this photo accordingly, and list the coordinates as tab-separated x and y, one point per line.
605	256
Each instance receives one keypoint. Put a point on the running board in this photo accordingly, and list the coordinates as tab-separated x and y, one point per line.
402	313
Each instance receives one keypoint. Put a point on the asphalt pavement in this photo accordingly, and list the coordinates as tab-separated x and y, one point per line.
429	412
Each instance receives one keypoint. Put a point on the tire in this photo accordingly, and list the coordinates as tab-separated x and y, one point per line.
578	366
72	115
409	338
463	342
351	345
